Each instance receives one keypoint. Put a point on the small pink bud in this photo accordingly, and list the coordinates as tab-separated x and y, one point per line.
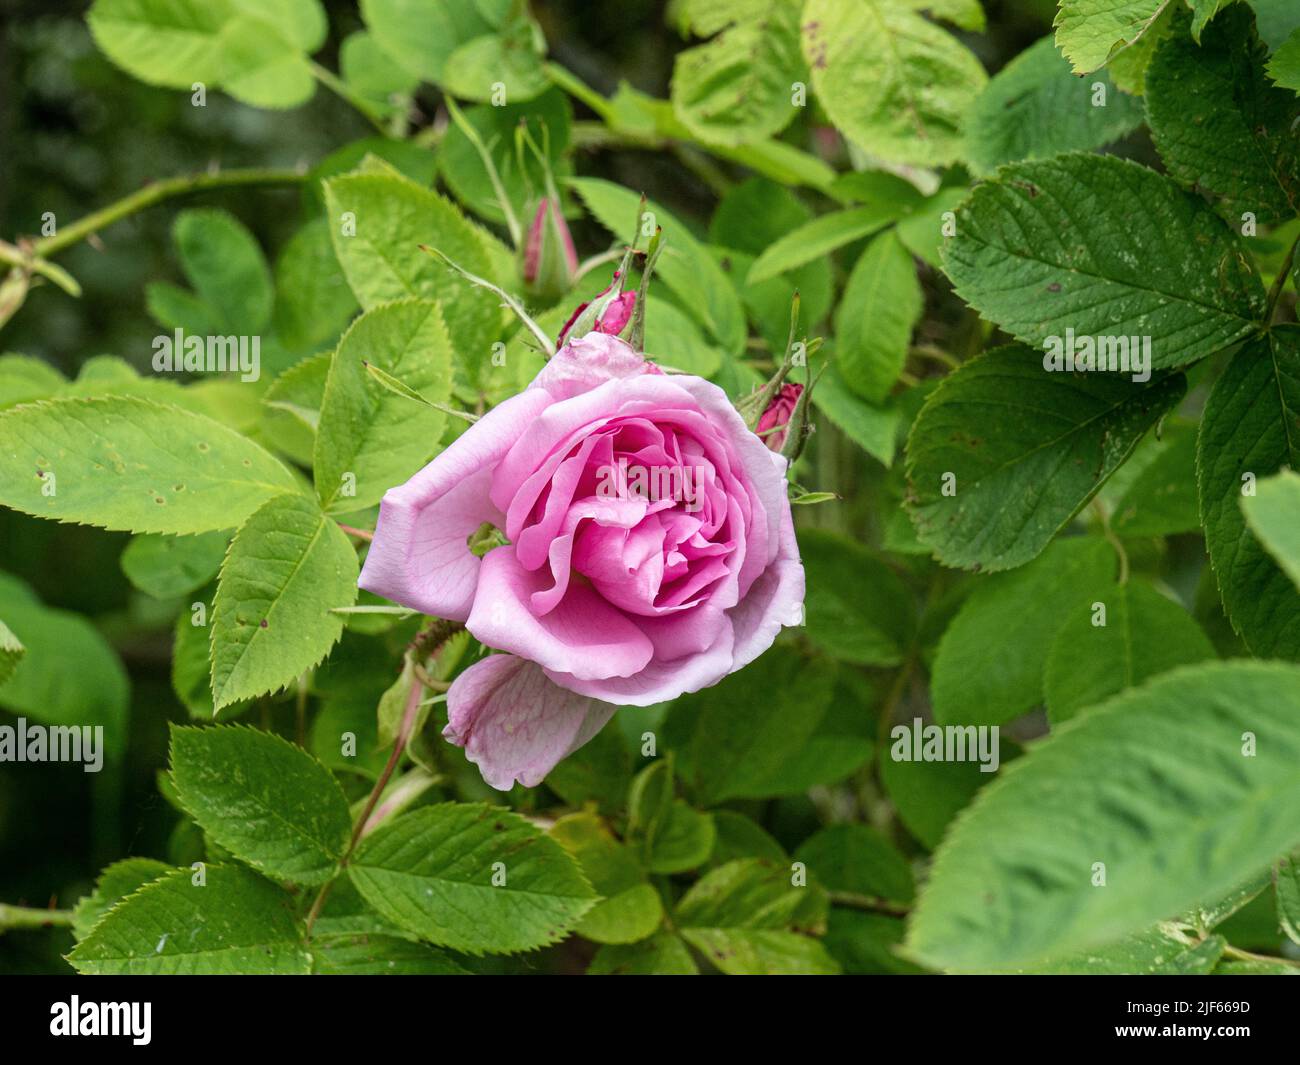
550	259
609	312
777	416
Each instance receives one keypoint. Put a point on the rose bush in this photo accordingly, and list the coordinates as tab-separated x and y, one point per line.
599	599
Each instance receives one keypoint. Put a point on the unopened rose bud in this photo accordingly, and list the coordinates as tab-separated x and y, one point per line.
609	312
550	259
775	420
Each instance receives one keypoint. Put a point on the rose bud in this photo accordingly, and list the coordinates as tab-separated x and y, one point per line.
774	420
550	260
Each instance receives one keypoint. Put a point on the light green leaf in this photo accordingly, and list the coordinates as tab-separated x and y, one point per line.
738	86
258	65
661	955
818	238
1286	881
877	313
235	923
312	299
11	653
471	877
1082	242
630	909
292	406
1004	454
379	955
1220	126
892	82
1014	881
24	379
684	840
989	664
226	267
858	860
1034	107
163	42
1250	429
1284	64
1162	951
115	883
873	427
1145	634
371	72
748	919
287	567
422	34
1090	32
1273	515
133	465
857	609
496	66
372	437
167	567
267	802
383	261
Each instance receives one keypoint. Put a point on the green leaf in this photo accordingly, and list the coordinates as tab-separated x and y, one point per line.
1145	634
859	860
1220	126
817	239
368	435
873	427
928	795
471	877
748	919
167	567
114	884
312	299
864	943
291	406
259	65
738	87
630	909
1004	454
1081	242
1286	881
989	664
1250	429
736	836
1273	515
421	35
383	261
1193	809
235	923
379	955
24	379
1160	500
892	82
881	305
133	465
599	771
287	567
1284	64
685	266
1034	107
371	72
267	802
857	608
1090	32
163	42
660	955
684	840
496	66
1159	951
11	653
225	265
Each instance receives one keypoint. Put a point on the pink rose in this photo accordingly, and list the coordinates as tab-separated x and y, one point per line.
777	416
651	553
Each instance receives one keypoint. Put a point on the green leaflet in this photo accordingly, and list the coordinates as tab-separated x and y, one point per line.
312	299
134	465
497	66
873	427
1005	453
1145	634
1273	515
162	42
233	923
11	653
1090	32
1160	499
266	801
881	305
115	883
1188	815
24	379
365	954
1286	880
747	918
663	954
1081	242
738	87
372	72
287	567
989	664
1034	107
368	438
1284	64
223	262
894	83
630	909
1221	126
816	239
472	878
1250	429
167	567
382	259
858	860
421	35
258	65
856	608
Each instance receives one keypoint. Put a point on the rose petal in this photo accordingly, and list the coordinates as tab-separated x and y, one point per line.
587	362
514	723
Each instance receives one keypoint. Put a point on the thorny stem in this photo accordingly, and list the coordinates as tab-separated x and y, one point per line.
360	534
31	917
425	643
157	192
